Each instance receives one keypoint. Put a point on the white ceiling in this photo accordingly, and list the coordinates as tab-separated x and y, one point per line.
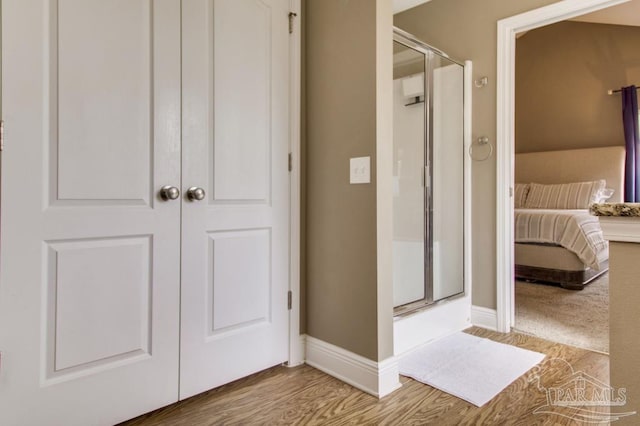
402	5
624	14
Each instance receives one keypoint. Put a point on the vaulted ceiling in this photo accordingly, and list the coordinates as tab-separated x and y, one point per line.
624	14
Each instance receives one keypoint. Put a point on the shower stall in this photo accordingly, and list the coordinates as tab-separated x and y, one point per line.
428	175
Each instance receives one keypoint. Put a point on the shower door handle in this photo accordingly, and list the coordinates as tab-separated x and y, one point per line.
426	177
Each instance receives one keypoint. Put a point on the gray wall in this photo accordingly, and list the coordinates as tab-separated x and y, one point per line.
467	29
563	72
343	282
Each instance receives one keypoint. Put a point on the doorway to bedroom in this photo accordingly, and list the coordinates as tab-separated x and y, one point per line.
569	153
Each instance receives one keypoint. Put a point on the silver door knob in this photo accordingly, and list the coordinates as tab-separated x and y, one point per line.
169	192
195	193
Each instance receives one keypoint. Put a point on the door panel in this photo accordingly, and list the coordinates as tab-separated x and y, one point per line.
101	102
240	295
89	273
242	66
235	241
98	297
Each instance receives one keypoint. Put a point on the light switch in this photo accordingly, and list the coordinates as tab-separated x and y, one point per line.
360	170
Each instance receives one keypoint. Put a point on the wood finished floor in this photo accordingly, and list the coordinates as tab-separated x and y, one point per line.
306	396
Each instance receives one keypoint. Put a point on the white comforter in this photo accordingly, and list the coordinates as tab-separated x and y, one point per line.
575	230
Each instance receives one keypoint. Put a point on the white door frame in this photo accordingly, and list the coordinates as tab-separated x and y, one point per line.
505	138
296	349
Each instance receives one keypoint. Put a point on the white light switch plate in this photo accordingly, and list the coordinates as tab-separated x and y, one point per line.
360	170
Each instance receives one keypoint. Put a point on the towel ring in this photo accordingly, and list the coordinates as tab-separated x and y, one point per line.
482	140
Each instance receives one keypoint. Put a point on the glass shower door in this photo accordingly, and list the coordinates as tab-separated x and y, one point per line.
446	133
428	175
409	204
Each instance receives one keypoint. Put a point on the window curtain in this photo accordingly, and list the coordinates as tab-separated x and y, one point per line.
632	144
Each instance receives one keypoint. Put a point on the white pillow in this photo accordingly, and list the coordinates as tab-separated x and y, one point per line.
520	195
576	195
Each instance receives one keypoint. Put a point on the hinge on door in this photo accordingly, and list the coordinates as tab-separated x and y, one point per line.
511	191
292	16
1	135
289	296
290	162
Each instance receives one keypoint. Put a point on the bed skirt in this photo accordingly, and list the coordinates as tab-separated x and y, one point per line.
554	264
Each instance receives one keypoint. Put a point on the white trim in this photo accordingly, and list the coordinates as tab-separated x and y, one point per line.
384	177
622	229
484	317
507	30
388	377
467	202
296	348
376	378
303	345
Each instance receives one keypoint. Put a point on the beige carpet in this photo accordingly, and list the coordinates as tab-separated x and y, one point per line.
576	318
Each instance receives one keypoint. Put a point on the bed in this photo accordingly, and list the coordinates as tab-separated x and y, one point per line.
562	245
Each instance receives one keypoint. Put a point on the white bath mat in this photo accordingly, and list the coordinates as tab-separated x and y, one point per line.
469	367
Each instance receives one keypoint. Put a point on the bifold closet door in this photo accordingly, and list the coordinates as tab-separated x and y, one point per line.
90	269
235	146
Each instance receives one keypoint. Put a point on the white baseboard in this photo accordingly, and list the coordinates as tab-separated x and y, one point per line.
484	317
376	378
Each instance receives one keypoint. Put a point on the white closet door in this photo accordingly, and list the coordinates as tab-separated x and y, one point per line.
235	139
89	273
